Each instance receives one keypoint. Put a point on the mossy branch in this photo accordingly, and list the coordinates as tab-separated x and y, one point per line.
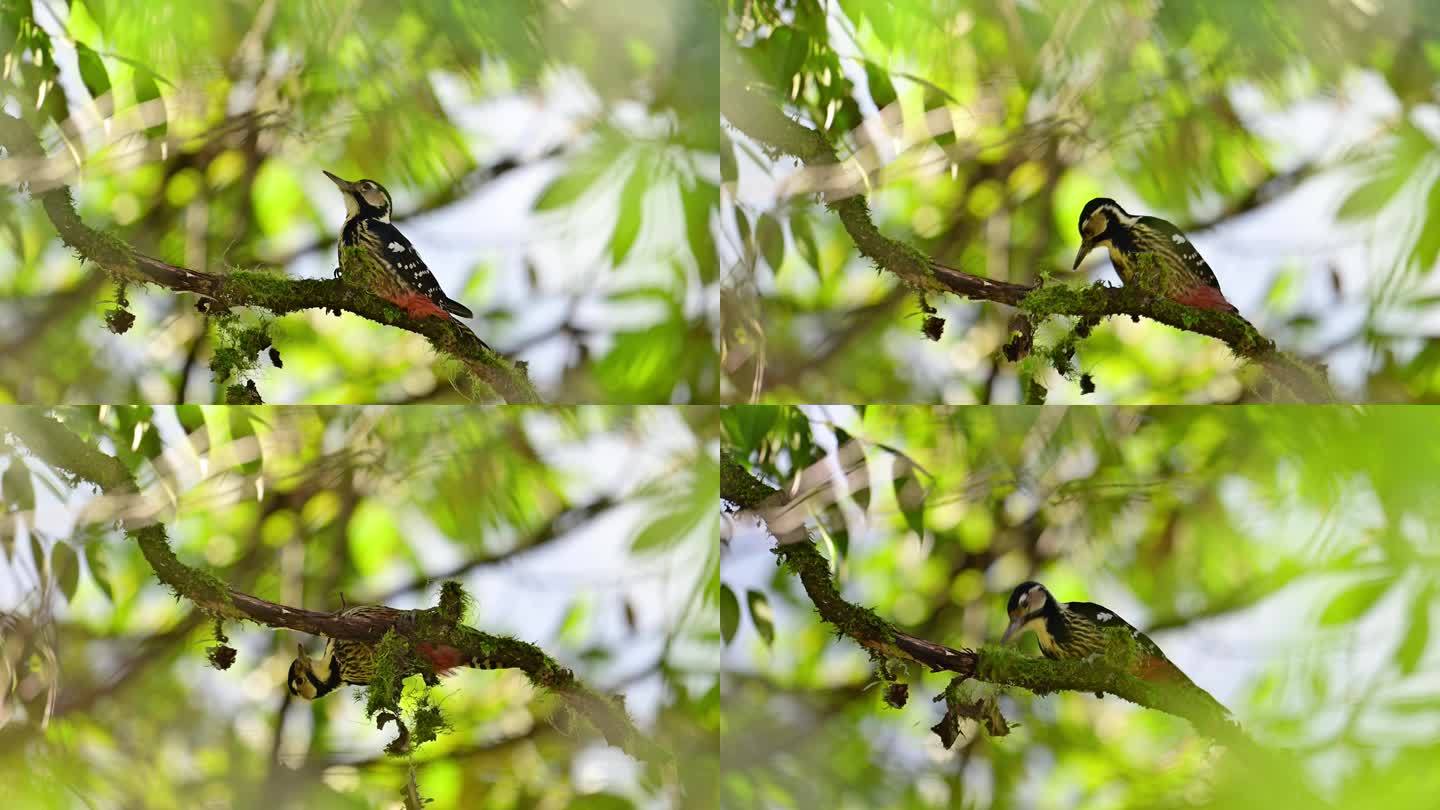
257	289
760	118
56	445
999	666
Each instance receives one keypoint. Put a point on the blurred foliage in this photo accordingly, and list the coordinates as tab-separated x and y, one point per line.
107	696
554	163
1298	142
1286	558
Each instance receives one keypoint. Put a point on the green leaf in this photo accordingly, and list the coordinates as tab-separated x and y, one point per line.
787	48
17	487
600	801
729	168
747	425
1370	197
1412	647
1355	601
632	211
729	613
570	186
805	240
1427	247
761	615
666	530
65	567
770	238
910	497
92	71
146	91
37	550
882	90
191	417
699	202
100	573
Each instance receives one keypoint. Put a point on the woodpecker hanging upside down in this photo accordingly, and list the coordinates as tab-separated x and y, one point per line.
374	254
1069	630
1150	253
353	662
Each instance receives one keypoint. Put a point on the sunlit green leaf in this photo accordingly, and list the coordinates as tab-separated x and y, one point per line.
729	613
628	221
1417	634
65	567
770	238
1355	601
92	71
761	616
16	486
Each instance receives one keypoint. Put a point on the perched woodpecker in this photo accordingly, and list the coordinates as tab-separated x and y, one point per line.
375	255
353	662
1083	629
1150	253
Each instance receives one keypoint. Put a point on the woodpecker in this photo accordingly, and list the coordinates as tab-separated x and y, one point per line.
1150	253
353	662
375	254
1083	629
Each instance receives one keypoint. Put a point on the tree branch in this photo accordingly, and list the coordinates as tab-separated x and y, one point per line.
53	443
264	290
994	665
762	120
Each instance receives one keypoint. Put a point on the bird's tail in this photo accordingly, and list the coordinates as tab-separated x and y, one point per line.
455	308
936	656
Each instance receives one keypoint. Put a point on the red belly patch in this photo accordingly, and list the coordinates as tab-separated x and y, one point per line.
1152	668
418	304
1205	297
441	656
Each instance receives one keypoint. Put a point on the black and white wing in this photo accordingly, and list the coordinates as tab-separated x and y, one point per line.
407	263
1179	245
1105	618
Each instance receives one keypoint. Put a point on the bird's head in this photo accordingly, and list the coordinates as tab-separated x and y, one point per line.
1100	219
1027	608
305	680
363	198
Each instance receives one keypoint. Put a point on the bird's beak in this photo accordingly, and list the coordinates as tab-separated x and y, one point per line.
1014	629
343	185
1085	247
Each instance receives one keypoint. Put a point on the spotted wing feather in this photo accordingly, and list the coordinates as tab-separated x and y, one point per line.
1153	665
1180	245
411	269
